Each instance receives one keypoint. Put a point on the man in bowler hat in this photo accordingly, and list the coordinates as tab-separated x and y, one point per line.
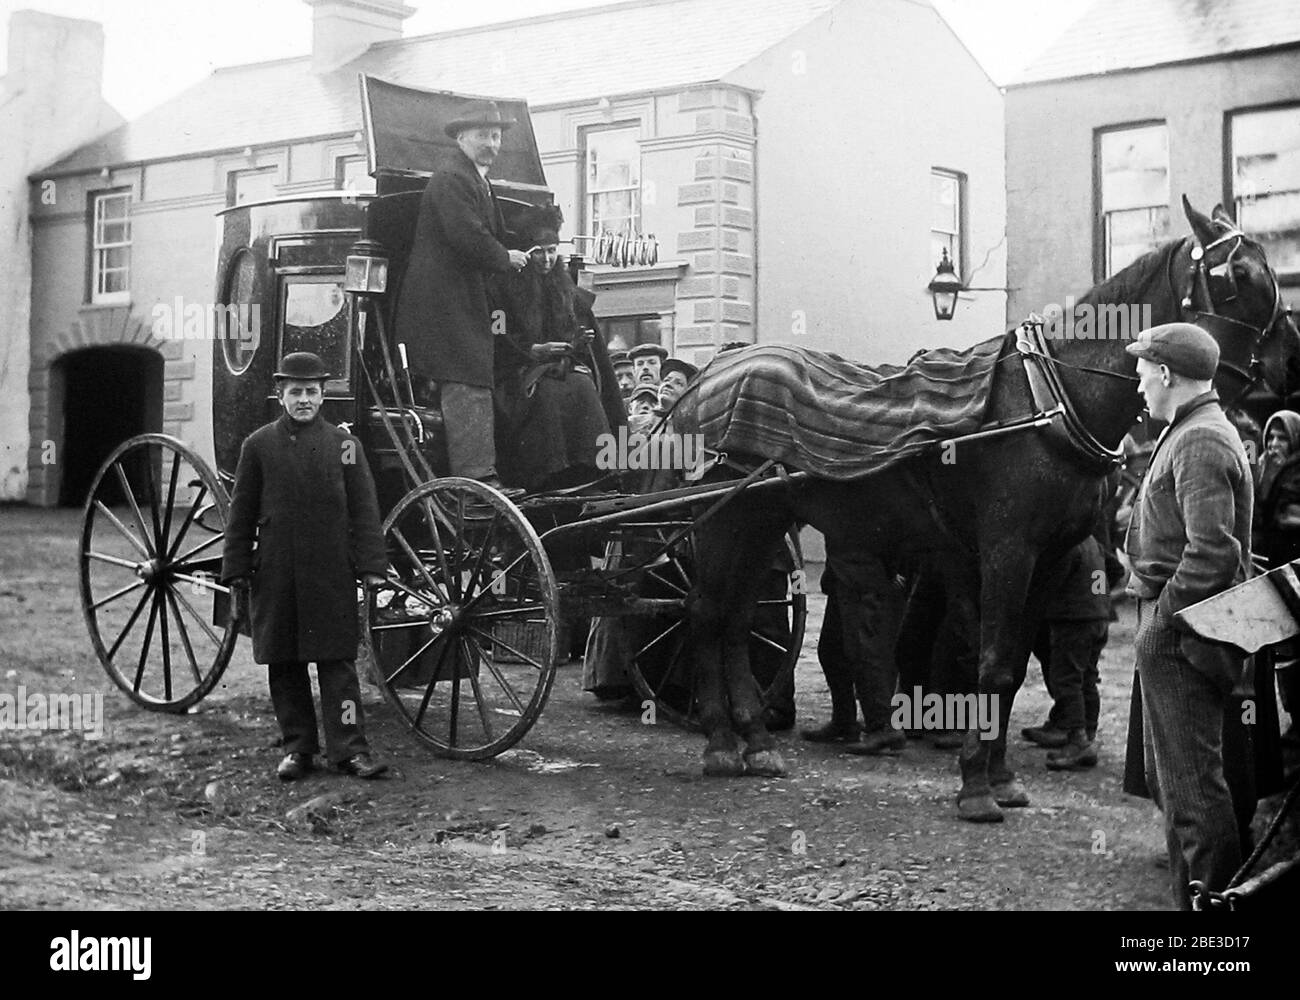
303	526
443	314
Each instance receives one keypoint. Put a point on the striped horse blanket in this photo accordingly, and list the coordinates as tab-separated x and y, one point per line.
834	418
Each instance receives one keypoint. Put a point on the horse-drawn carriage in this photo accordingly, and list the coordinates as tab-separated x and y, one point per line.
464	634
464	631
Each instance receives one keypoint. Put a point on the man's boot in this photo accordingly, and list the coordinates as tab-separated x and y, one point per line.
1078	753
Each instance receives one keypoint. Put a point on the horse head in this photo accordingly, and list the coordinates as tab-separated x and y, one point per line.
1229	289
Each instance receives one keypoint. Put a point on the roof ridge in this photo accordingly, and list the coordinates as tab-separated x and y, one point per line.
558	15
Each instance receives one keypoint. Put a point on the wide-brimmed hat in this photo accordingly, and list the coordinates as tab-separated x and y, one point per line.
643	350
678	365
477	114
540	225
302	365
1185	349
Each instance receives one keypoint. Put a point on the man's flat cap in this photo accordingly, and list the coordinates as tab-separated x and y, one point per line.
1187	350
642	350
617	358
650	392
678	365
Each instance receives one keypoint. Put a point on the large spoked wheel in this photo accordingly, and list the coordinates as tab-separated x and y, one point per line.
150	561
464	630
660	663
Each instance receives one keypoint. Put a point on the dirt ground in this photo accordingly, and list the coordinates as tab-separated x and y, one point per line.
592	810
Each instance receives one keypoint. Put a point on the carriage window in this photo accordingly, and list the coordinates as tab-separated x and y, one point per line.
613	180
945	217
250	185
1133	169
350	175
241	317
1266	182
110	252
315	316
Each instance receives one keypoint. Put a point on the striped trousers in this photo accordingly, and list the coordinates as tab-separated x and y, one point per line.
1182	717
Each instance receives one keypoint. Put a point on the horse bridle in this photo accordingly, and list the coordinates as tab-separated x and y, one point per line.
1216	285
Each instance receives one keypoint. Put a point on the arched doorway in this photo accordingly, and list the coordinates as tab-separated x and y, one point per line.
108	394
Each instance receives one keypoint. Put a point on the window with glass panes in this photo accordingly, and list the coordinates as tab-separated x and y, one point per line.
1133	173
110	264
1265	165
945	217
613	180
350	175
625	332
250	185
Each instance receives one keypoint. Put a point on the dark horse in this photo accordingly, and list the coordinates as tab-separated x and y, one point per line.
1006	506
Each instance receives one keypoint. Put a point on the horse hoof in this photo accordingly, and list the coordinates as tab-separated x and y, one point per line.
723	764
765	764
1010	794
979	809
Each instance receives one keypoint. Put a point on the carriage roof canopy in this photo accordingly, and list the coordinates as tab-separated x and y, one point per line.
404	132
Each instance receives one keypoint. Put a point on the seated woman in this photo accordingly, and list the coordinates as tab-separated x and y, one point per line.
555	387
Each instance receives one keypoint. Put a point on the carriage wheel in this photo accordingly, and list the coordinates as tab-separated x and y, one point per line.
150	561
464	630
660	664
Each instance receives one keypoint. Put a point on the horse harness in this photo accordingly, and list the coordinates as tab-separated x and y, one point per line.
1213	284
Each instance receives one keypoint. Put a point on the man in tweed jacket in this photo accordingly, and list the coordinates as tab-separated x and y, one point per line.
1189	540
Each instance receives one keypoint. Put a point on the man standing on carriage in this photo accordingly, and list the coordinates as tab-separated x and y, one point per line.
443	314
1189	540
303	526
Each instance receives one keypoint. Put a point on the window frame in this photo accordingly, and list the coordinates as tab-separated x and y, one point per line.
94	271
1229	167
232	182
588	213
340	178
959	236
1099	254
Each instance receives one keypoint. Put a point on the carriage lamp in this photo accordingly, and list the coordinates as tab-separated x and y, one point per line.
366	272
944	287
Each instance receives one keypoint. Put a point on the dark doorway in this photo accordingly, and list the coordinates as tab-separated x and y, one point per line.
109	394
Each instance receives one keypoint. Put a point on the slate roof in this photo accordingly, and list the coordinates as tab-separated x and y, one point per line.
571	56
1130	34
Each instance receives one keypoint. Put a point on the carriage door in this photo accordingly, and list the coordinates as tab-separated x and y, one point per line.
313	313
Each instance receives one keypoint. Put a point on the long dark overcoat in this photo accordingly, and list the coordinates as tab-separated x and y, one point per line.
304	524
443	315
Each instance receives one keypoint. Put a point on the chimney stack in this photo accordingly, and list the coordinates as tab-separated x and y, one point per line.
343	29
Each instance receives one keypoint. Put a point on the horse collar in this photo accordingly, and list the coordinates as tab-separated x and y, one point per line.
1067	429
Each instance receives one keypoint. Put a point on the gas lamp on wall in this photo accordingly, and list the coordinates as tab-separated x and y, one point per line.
944	287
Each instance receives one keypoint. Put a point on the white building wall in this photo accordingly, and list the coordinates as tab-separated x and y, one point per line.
855	110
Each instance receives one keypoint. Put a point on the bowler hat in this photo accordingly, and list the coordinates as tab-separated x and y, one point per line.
1185	349
477	114
302	365
678	365
641	350
650	392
